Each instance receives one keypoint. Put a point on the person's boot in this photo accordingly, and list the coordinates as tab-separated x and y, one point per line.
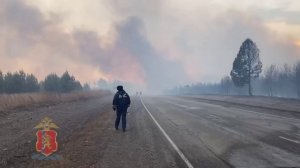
116	128
124	130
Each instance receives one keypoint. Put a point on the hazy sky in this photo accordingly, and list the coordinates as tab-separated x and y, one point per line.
155	44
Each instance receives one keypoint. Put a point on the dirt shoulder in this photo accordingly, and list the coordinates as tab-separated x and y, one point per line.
18	133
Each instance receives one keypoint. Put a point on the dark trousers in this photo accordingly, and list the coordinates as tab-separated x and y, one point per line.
121	113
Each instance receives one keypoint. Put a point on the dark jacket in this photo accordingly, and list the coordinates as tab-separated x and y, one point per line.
121	100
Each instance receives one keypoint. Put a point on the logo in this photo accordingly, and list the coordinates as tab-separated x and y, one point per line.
46	143
123	96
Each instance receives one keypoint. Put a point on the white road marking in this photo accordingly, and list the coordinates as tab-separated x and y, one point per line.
183	106
267	114
250	111
291	140
180	105
187	162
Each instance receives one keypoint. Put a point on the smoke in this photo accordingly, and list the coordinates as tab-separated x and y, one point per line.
148	45
159	72
130	58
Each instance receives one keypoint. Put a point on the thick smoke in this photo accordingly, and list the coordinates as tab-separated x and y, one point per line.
159	72
152	45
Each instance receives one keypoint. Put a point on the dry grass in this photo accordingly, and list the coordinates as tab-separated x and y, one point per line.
27	100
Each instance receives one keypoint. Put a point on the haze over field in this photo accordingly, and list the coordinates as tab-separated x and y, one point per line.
152	44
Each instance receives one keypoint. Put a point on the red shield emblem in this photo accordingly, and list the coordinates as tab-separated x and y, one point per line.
46	142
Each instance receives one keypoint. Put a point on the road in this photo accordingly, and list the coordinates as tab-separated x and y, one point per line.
212	135
163	131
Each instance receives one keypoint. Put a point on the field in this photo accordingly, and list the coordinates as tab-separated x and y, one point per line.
29	100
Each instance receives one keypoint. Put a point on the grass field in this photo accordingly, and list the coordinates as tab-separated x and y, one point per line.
27	100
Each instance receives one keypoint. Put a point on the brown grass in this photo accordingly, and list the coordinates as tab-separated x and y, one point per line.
27	100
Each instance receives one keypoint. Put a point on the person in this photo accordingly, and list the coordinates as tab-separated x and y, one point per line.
121	102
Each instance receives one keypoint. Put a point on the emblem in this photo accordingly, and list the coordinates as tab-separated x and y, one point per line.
46	143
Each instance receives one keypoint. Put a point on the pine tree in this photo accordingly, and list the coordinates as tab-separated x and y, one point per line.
52	83
32	84
69	83
246	65
297	77
1	83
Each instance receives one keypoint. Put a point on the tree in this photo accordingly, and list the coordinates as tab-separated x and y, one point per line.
225	84
52	83
246	65
76	86
8	83
1	83
15	83
270	79
297	78
68	83
86	87
32	84
286	85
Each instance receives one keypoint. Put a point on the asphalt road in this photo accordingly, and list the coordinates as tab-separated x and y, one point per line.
212	135
162	132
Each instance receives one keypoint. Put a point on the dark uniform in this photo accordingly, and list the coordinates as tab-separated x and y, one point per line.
120	103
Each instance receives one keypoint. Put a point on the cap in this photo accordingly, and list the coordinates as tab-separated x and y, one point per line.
119	88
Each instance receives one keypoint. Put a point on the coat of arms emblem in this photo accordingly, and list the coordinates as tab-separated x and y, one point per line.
46	143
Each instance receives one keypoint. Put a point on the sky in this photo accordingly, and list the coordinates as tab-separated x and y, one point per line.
152	45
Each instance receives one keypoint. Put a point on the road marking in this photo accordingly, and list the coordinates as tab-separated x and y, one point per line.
187	162
250	111
291	140
182	106
179	105
262	113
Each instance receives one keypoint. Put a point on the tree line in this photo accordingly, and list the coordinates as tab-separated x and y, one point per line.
20	82
275	81
245	78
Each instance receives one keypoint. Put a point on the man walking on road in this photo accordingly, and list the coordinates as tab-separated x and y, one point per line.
120	104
